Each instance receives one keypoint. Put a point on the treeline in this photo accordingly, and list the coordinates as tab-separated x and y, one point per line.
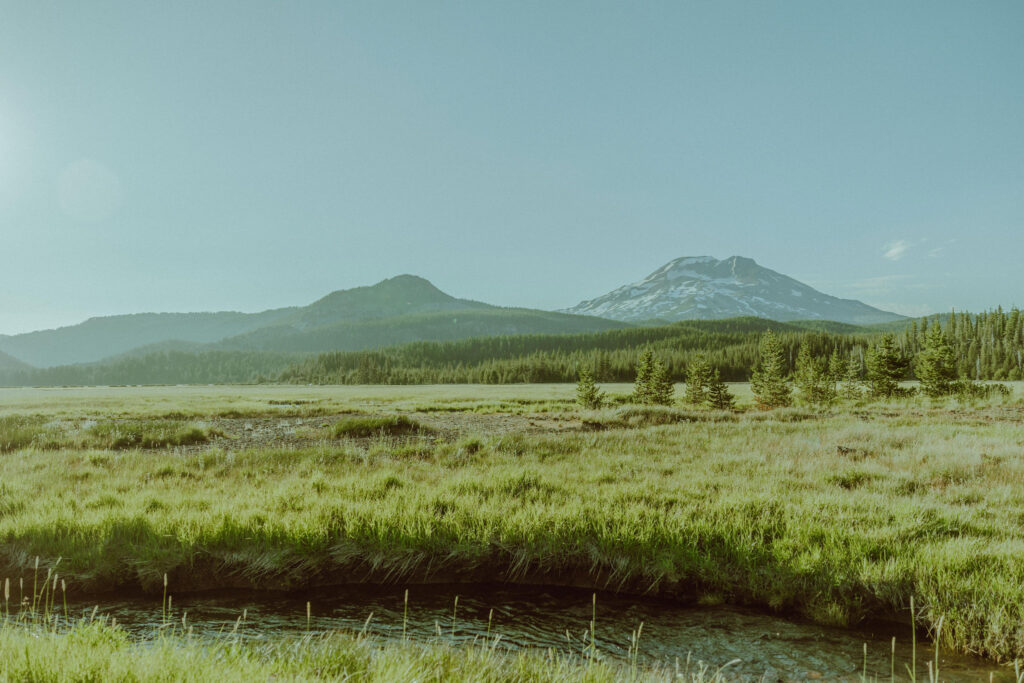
988	346
731	346
161	367
985	346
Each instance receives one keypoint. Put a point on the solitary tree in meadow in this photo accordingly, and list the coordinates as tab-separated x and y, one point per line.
698	380
853	387
588	394
768	382
642	385
936	364
885	367
812	378
719	397
661	387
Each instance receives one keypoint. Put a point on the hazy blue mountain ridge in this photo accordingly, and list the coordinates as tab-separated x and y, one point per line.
401	309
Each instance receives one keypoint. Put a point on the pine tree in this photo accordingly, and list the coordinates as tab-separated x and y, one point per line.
587	393
885	367
698	380
853	388
642	386
768	382
836	368
805	373
661	388
719	396
812	378
936	365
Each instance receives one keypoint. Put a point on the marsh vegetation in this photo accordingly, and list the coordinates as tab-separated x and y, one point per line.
837	515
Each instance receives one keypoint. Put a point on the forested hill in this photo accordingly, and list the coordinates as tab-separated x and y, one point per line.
161	367
730	344
9	363
986	346
437	326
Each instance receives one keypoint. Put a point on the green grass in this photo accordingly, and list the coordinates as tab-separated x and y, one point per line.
195	402
96	651
19	432
838	515
388	425
144	434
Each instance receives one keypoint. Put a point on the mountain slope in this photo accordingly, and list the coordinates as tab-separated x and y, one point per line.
8	362
397	296
102	337
401	309
705	288
444	326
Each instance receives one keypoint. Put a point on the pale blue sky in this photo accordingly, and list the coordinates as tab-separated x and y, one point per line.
246	155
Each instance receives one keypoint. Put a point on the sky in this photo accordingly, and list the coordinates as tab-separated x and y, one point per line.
245	155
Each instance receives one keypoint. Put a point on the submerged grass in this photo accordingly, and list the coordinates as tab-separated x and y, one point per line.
98	651
40	642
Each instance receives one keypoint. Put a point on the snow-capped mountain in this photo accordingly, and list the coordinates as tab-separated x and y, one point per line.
705	288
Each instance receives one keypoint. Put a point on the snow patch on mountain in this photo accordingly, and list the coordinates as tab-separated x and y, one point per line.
704	287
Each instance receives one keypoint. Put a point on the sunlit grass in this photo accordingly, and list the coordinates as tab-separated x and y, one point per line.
840	515
33	431
95	650
389	425
40	641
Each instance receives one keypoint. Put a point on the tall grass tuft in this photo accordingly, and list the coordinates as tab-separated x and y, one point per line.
364	427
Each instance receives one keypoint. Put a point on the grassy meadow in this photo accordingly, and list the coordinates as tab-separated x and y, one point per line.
839	515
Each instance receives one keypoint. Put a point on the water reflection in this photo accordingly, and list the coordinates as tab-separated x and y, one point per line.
757	644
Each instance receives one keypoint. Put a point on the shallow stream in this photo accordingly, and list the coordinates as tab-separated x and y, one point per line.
752	644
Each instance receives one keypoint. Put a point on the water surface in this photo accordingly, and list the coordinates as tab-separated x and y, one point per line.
753	644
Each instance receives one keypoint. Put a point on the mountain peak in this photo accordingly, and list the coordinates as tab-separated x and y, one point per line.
395	296
707	288
406	280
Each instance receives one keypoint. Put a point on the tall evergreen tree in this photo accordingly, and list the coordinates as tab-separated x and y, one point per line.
644	371
836	367
719	397
588	394
853	387
935	366
812	378
661	388
698	380
885	367
769	383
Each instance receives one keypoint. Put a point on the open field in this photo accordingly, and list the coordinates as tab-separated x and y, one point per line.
840	516
227	400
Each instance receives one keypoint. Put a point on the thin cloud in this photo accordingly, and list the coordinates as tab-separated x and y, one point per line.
894	251
940	250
